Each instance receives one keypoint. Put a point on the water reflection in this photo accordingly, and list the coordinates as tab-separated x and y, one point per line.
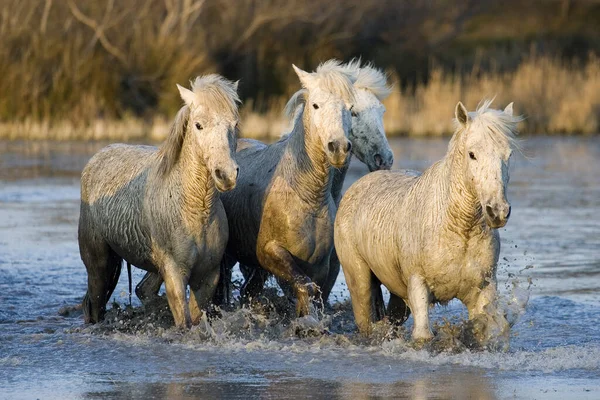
434	386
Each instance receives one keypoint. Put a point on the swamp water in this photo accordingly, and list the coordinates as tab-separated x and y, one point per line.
550	252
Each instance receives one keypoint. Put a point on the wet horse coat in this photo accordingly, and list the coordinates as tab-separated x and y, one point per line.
159	209
432	237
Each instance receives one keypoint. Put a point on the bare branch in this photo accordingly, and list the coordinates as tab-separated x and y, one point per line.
98	31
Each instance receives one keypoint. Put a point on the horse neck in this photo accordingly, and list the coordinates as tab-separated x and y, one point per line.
463	210
198	188
308	170
339	175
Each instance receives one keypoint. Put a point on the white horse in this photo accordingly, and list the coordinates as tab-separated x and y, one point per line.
369	145
159	209
433	237
281	213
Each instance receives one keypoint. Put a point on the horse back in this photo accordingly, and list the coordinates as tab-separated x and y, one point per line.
113	186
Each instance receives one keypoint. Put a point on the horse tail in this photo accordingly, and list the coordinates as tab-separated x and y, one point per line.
129	278
86	305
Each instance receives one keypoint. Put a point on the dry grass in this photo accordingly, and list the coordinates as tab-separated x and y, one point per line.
79	69
555	98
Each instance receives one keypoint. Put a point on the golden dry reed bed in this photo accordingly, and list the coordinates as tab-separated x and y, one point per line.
555	98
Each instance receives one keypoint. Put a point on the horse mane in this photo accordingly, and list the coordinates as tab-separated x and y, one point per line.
171	147
369	78
213	92
297	99
498	126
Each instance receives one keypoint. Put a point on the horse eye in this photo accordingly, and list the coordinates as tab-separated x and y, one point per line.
198	126
354	114
315	106
472	156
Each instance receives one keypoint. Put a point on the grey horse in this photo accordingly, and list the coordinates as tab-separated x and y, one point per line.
160	209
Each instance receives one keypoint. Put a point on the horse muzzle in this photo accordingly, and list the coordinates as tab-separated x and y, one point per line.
225	180
381	162
497	215
338	152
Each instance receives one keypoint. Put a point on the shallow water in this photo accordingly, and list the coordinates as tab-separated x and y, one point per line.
552	240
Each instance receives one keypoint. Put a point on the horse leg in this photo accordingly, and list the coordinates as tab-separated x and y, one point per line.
359	278
202	291
334	271
277	260
104	268
254	283
223	294
418	300
378	307
175	283
148	288
487	321
397	310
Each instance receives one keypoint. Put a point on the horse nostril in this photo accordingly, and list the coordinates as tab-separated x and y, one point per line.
378	160
333	146
349	147
490	211
509	210
219	174
237	172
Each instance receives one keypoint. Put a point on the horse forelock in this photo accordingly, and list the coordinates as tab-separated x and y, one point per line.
333	77
171	147
217	94
369	78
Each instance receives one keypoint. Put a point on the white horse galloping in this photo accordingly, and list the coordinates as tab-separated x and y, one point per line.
433	237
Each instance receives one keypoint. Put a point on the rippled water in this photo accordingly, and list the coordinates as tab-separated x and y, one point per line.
552	240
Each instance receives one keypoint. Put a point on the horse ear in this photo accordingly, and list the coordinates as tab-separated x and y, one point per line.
461	114
305	77
235	85
509	109
187	95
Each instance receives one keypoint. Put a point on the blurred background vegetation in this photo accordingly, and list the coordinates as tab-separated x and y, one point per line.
106	69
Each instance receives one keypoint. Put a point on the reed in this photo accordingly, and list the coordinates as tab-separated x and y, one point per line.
553	96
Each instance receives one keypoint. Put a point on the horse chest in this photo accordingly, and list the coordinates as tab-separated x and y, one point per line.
459	267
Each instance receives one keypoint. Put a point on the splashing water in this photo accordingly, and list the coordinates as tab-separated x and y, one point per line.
260	351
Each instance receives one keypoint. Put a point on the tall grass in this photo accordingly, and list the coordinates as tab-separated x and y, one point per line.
78	69
554	97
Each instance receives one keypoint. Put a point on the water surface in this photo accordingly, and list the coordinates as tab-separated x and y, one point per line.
552	240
